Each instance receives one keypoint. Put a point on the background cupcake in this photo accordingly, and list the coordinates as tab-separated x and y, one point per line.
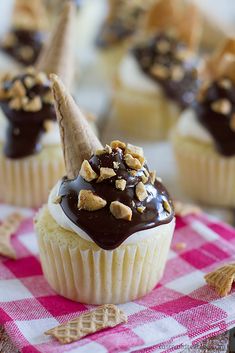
109	223
157	78
204	139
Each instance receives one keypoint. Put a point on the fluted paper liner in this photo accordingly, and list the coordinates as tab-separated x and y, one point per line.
222	279
78	140
174	15
57	55
104	316
29	15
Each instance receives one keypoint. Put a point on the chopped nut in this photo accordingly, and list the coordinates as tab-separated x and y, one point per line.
177	73
141	209
30	70
133	172
105	173
26	52
166	206
57	199
48	125
100	152
225	83
116	165
160	71
48	98
120	211
118	144
120	184
136	152
108	149
87	172
180	246
18	89
29	82
15	104
163	46
152	177
33	105
222	106
41	78
144	178
140	191
88	201
132	162
232	123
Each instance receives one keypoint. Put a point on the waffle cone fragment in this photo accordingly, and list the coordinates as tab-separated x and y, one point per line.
222	279
78	140
102	317
57	55
7	228
29	15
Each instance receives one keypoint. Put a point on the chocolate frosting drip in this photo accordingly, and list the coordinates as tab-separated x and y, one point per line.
24	45
25	128
216	112
166	60
103	228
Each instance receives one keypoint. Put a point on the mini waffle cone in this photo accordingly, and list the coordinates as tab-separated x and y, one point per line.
80	270
149	116
205	175
27	181
29	15
7	228
102	317
222	279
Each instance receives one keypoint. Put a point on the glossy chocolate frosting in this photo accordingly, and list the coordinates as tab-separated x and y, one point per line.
26	125
215	109
25	45
103	228
166	60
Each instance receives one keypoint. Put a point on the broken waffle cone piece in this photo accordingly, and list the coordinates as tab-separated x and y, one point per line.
57	55
102	317
7	228
78	140
29	15
222	279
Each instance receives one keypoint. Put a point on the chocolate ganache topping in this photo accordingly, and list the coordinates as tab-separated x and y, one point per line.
167	60
115	195
24	45
215	109
27	102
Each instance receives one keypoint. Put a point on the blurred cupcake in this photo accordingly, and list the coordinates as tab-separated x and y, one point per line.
24	41
31	158
204	139
105	233
158	78
122	21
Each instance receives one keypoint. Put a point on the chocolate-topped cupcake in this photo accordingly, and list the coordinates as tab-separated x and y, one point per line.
31	157
158	76
28	31
204	139
109	222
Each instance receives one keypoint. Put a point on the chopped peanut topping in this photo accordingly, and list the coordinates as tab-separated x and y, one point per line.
57	199
140	191
48	125
166	206
120	184
225	83
160	71
107	149
48	98
118	144
177	73
152	177
105	173
88	201
29	82
141	209
34	105
222	106
41	78
132	162
15	104
18	89
87	172
120	211
144	179
116	165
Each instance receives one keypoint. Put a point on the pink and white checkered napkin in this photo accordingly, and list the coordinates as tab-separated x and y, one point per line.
180	311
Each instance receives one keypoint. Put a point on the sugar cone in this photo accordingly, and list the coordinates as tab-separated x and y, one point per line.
57	55
78	140
29	15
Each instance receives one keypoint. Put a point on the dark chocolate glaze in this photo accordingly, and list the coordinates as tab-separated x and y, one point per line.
103	228
218	124
26	128
25	38
183	91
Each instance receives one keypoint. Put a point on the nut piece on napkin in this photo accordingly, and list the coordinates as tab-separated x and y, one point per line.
7	228
222	279
102	317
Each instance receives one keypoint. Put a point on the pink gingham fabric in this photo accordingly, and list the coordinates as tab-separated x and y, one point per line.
180	311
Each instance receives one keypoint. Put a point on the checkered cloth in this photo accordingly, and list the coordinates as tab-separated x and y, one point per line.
180	311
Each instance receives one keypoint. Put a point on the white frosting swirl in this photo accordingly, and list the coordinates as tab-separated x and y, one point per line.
62	220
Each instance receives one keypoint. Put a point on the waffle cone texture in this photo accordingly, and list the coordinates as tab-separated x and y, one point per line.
82	271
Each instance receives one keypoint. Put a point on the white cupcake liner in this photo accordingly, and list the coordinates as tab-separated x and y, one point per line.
99	276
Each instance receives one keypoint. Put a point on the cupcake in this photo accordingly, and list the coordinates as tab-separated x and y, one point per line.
105	233
122	21
22	44
31	158
157	78
204	138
